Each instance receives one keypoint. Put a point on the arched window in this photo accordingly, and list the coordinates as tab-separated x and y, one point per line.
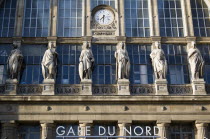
176	56
137	18
68	61
36	18
170	18
33	55
201	18
69	18
141	66
7	18
95	3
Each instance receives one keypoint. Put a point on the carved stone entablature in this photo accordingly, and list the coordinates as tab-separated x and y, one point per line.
111	26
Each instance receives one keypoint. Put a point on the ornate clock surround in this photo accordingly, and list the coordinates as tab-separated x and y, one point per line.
103	30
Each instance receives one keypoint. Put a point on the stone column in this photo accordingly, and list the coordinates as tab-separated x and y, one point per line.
123	86
161	87
9	130
84	3
85	128
48	130
86	87
19	18
53	17
201	129
88	18
163	130
121	129
121	20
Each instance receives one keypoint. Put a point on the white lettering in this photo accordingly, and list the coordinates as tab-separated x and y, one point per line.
101	134
62	131
71	131
125	131
156	130
87	131
140	132
113	129
148	129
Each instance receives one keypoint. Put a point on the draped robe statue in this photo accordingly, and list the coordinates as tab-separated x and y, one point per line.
14	63
49	63
86	60
122	62
159	62
196	62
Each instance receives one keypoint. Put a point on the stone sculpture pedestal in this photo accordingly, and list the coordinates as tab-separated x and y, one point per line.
161	87
198	87
86	87
11	86
48	87
123	86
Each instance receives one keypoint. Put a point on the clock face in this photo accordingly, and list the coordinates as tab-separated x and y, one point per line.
104	17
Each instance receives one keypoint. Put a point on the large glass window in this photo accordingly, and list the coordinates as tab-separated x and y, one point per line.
7	18
182	131
70	18
201	18
36	19
205	51
104	71
141	66
68	61
95	3
33	55
5	50
29	132
137	18
176	56
170	18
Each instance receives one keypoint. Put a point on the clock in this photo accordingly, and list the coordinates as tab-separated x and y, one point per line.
104	17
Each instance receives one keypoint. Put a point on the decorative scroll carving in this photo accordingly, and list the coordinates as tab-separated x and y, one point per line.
180	89
142	89
2	89
67	89
30	89
208	88
105	90
111	26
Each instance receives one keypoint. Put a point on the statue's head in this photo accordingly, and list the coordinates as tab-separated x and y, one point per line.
15	46
157	44
121	45
193	44
86	45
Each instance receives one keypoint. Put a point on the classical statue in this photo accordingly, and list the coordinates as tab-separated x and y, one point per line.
86	62
196	61
122	62
14	62
49	62
159	61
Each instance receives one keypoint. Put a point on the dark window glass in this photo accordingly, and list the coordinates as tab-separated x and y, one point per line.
68	61
32	73
69	18
141	66
7	18
104	71
36	19
170	18
5	50
95	3
176	56
137	18
29	132
201	18
182	131
205	51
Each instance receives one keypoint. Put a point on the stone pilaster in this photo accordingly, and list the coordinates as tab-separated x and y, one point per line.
19	18
121	129
86	87
85	128
123	86
11	86
161	87
9	130
163	130
154	18
198	87
53	17
48	87
88	18
120	6
201	130
48	130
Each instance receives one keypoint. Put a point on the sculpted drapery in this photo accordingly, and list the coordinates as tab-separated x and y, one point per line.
49	63
122	62
159	62
196	62
86	62
14	62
